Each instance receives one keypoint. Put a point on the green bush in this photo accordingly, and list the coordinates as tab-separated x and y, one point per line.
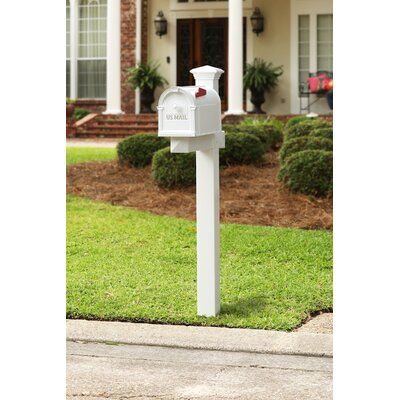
305	128
137	151
269	131
241	148
230	128
304	143
79	113
172	170
309	172
276	136
276	123
295	120
326	133
269	135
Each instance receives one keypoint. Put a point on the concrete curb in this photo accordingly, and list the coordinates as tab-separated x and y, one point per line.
204	338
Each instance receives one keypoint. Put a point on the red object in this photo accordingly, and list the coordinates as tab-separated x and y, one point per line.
319	83
201	92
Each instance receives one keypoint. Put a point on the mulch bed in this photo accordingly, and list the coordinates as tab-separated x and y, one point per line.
249	194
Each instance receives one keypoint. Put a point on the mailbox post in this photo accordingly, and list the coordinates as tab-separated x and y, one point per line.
191	116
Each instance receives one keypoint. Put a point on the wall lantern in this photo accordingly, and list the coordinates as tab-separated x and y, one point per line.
257	21
160	23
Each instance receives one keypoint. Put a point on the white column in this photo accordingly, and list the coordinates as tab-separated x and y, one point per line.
207	203
138	49
113	57
235	58
73	48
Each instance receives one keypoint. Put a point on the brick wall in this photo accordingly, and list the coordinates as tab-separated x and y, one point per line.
128	32
128	44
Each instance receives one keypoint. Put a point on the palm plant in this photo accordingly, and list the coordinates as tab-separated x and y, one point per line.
145	76
260	77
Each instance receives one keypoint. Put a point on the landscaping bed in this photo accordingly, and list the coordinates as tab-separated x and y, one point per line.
249	194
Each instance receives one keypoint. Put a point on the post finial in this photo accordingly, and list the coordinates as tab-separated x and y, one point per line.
207	76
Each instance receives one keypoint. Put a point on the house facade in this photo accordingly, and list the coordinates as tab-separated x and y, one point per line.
106	37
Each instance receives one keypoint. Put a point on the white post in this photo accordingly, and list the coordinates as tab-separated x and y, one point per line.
235	58
73	29
113	57
207	203
138	49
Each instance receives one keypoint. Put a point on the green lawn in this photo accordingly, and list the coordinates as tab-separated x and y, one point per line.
85	154
124	264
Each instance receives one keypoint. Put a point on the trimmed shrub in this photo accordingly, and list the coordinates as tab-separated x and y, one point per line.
241	148
79	113
326	133
295	120
268	134
137	151
276	136
269	131
261	132
304	143
305	128
172	170
309	172
230	128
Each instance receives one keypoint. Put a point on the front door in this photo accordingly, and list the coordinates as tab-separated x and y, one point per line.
203	42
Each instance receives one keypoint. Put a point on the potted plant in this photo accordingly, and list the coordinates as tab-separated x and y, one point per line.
70	108
260	77
146	77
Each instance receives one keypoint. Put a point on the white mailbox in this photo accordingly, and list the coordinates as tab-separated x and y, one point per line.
189	111
191	117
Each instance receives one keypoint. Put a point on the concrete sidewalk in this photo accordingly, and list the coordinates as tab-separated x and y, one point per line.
97	371
202	338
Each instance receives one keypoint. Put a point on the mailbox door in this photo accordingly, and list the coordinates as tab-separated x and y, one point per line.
177	115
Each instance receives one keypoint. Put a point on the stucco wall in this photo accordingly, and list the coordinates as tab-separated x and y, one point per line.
160	48
274	45
271	45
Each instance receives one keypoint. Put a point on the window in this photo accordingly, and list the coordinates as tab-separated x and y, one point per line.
92	49
304	48
68	61
315	45
325	43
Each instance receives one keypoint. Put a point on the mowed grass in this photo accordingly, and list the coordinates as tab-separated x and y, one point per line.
86	154
129	265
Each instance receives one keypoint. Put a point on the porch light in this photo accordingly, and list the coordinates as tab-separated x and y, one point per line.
160	23
257	21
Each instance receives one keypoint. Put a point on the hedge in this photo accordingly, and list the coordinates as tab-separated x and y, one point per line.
295	120
241	148
137	151
304	143
304	128
171	170
309	172
322	133
269	135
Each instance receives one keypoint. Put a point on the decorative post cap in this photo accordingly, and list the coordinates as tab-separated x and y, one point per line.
207	76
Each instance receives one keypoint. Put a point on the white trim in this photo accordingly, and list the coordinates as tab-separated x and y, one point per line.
113	80
138	48
192	5
235	58
311	8
73	49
